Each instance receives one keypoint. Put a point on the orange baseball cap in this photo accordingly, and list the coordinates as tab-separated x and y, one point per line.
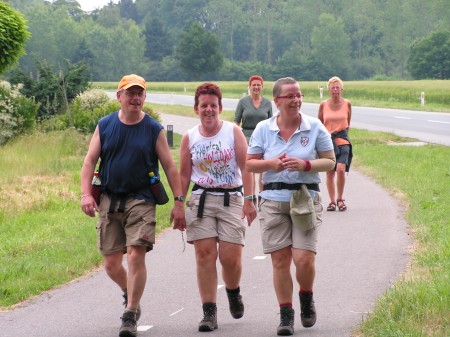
132	80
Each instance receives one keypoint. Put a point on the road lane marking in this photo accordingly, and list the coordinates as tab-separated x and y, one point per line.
433	121
176	312
259	257
220	286
144	327
398	117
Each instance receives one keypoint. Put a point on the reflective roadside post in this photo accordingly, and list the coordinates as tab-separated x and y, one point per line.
422	98
321	91
170	135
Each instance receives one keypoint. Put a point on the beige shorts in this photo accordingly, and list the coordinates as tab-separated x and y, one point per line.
277	230
222	222
134	227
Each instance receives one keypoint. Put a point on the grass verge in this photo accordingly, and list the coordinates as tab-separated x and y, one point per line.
418	304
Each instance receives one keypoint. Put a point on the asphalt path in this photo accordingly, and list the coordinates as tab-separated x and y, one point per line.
361	253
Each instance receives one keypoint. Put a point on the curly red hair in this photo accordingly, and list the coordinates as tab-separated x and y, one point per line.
208	88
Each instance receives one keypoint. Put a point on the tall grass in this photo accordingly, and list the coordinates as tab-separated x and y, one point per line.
45	238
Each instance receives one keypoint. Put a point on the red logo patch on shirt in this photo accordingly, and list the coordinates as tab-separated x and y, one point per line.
304	141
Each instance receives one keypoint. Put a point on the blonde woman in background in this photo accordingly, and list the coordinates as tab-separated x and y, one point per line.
335	113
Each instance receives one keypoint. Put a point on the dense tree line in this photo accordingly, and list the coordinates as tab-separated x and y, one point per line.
175	40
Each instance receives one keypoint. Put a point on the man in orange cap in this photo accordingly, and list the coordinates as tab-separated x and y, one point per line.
130	144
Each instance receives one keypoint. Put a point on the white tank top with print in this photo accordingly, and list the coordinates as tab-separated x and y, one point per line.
213	158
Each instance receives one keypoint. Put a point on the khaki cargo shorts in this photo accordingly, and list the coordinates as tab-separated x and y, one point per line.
278	230
134	227
223	222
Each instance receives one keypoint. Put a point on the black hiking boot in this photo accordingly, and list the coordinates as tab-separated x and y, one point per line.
235	302
209	321
129	325
138	310
308	310
286	327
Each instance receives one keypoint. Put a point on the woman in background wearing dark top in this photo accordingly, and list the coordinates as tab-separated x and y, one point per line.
251	110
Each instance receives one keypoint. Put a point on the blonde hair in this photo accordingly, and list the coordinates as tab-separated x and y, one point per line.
335	79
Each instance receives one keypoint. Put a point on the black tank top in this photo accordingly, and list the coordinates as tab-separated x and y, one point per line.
128	154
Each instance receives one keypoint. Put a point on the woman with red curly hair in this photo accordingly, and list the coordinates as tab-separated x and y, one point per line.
212	156
251	110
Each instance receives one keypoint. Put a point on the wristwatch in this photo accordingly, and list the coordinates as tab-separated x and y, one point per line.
179	198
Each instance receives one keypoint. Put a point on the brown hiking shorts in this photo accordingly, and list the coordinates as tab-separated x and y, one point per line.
134	227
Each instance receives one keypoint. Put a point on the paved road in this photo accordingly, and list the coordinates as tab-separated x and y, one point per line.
426	126
361	253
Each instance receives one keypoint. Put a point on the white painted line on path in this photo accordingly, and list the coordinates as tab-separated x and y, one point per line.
398	117
220	286
144	327
176	312
259	257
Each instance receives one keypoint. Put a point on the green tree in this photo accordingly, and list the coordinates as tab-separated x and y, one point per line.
430	56
330	47
108	16
229	25
365	36
292	63
157	39
116	51
56	36
13	34
128	10
72	6
199	51
54	90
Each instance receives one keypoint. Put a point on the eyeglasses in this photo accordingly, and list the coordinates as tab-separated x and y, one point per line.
134	93
291	97
335	88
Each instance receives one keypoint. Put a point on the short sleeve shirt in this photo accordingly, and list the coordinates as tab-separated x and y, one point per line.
248	116
310	138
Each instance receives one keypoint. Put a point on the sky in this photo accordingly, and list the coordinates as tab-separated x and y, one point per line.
89	5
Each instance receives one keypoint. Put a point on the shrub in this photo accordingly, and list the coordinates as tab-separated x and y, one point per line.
17	112
91	99
87	109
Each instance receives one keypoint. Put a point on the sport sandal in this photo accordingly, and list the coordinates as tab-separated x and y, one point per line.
341	205
331	207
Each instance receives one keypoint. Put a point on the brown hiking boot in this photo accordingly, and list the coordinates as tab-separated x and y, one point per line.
286	327
138	310
209	321
235	302
129	325
308	310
